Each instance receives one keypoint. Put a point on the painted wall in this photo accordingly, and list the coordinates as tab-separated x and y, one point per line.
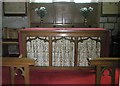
0	40
0	28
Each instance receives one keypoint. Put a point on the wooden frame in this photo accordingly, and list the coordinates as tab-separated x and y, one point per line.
110	9
15	8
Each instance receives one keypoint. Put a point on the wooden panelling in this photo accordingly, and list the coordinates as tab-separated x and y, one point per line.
63	13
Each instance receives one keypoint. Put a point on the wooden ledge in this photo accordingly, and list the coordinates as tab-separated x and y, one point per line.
114	61
12	61
108	58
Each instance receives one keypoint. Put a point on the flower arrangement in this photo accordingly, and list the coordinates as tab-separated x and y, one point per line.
86	11
41	11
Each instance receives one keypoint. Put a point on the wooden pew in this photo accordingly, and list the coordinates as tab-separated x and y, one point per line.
15	64
105	63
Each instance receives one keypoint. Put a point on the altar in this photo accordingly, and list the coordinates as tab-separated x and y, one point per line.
64	47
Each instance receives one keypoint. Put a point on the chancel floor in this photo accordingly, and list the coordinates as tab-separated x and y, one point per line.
38	76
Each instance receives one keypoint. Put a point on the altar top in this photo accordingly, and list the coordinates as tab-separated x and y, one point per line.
64	29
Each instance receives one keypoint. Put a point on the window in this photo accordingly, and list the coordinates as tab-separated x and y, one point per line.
41	1
50	1
82	1
63	0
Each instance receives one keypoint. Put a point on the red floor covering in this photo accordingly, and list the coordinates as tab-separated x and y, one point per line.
81	77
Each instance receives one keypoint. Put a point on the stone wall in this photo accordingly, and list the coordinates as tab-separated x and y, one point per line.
110	23
15	22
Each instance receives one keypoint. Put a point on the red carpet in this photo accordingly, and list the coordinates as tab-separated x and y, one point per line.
85	76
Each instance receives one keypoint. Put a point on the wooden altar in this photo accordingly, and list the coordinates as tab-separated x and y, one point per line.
64	47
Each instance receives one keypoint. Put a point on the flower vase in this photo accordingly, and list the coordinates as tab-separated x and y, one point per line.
85	21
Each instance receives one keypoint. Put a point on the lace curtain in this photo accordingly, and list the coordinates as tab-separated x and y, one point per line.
37	48
63	50
88	47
